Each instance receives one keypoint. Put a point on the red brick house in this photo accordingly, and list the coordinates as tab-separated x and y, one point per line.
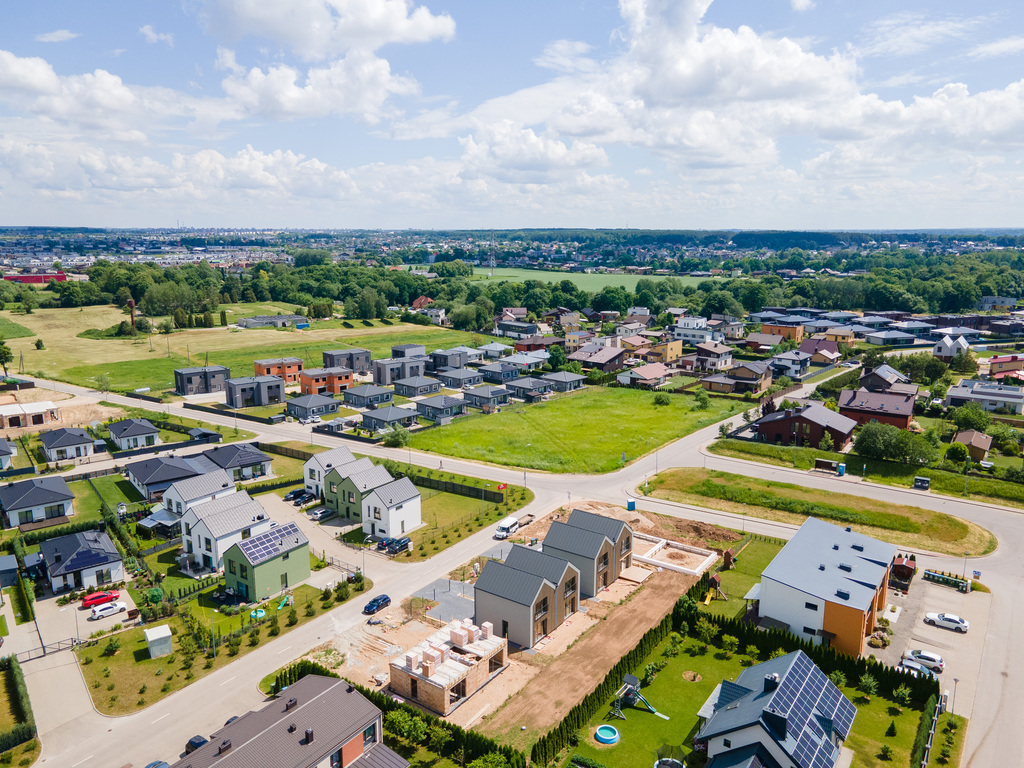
422	302
806	426
288	368
865	407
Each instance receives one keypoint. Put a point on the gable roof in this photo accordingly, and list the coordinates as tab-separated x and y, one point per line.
502	580
578	541
350	468
900	404
760	367
534	561
793	355
590	521
6	449
886	373
131	428
396	492
834	564
35	492
64	437
191	488
229	514
371	478
811	346
76	551
269	544
326	460
236	455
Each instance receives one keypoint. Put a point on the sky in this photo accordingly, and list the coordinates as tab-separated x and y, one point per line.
681	114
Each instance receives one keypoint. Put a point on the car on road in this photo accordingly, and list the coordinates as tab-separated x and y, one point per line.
915	669
107	609
320	513
928	659
948	621
399	545
850	364
99	598
314	419
195	743
383	544
304	498
378	603
294	494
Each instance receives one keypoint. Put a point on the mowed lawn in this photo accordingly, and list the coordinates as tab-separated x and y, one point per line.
588	282
751	560
584	432
12	330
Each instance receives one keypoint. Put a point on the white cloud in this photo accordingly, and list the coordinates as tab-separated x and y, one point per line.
802	5
57	36
566	56
1008	46
512	153
321	29
910	33
153	37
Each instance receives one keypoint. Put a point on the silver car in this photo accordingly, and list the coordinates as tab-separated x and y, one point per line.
915	669
927	659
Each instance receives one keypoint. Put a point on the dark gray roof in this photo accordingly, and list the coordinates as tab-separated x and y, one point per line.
794	354
510	583
334	711
6	449
460	373
35	492
77	551
8	563
441	401
368	390
816	414
751	756
899	404
162	469
417	381
310	401
887	373
566	376
832	563
536	562
757	366
270	544
211	368
487	390
389	414
236	455
500	367
64	437
278	360
577	541
795	714
606	526
132	428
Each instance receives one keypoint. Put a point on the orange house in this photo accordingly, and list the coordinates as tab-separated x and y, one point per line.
323	381
794	332
288	368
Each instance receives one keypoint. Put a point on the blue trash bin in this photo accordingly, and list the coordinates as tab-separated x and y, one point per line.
842	470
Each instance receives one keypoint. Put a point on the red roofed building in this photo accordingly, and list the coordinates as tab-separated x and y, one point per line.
422	302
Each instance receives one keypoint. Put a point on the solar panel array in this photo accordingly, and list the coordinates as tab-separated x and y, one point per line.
268	545
813	707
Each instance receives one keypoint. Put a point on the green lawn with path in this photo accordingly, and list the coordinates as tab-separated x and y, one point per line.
584	432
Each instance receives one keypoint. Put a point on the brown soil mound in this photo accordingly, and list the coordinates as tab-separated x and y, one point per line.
692	676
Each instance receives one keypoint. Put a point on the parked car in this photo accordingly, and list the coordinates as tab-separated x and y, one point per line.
928	659
306	420
320	513
107	609
159	764
294	494
948	621
915	669
305	498
314	419
231	720
99	598
195	743
383	544
378	603
399	545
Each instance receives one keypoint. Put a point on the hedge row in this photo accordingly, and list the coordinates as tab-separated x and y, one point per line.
26	597
924	727
292	674
475	744
21	706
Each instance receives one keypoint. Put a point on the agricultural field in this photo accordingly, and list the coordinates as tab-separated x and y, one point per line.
586	432
904	526
588	282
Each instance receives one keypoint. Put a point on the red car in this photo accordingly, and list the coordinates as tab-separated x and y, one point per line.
99	598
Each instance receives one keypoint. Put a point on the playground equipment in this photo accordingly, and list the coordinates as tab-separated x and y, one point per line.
716	589
670	756
607	734
628	695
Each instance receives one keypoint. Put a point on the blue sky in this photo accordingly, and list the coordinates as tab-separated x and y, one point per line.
385	113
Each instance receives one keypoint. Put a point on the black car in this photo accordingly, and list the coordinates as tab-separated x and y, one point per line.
294	494
378	603
383	544
399	545
231	720
305	498
195	743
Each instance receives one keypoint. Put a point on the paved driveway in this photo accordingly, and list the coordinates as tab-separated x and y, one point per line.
58	622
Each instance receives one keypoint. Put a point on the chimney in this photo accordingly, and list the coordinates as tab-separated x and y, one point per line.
789	413
771	682
290	704
309	735
224	746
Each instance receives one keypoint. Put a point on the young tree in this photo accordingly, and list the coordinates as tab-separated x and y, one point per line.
867	684
838	678
29	301
438	739
971	416
6	355
702	401
396	437
964	362
826	443
957	453
730	644
705	631
223	317
557	357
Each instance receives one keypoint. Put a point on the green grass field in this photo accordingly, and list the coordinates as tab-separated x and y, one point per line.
751	560
588	282
585	431
12	330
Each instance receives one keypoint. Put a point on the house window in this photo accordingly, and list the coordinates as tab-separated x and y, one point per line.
336	759
286	555
312	473
188	529
810	631
376	513
244	571
246	533
626	544
570	587
810	606
604	562
207	544
370	735
334	487
231	567
177	506
726	743
25	516
54	510
541	609
103	576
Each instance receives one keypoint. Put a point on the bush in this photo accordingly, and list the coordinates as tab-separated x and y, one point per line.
890	732
662	399
293	618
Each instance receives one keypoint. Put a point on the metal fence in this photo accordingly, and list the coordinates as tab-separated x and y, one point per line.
283	450
457	488
43	650
140	396
160	447
235	414
93	474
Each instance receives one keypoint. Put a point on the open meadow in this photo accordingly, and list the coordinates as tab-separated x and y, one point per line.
589	282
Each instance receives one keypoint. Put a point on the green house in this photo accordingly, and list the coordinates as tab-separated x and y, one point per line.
271	562
344	493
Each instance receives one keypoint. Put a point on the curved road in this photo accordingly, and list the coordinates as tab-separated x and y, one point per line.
75	735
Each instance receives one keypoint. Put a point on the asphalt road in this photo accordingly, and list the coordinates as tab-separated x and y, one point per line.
994	737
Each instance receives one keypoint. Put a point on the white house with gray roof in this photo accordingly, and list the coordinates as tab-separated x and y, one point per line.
208	529
67	443
128	434
316	467
37	500
81	560
7	453
392	509
192	491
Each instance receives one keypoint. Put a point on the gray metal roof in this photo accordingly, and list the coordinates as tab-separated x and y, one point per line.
236	455
211	368
327	460
460	373
565	376
265	546
487	391
350	468
417	381
35	492
832	563
337	370
132	428
528	383
577	541
441	401
816	414
389	414
191	488
753	755
335	712
502	580
162	469
64	437
368	390
229	514
77	551
887	373
606	526
396	492
6	449
374	477
278	360
310	401
265	379
536	562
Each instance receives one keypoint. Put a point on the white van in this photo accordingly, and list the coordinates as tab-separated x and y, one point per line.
507	527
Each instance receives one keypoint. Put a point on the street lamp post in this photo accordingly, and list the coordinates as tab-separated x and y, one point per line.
366	539
965	566
955	681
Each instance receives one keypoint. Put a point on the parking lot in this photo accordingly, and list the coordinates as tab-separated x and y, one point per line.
961	652
59	622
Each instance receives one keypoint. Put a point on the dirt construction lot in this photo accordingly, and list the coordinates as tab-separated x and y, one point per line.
549	696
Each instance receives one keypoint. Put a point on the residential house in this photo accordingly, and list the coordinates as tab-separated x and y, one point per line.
408	350
195	490
387	418
7	453
448	359
367	396
500	372
970	334
346	487
841	316
437	315
752	376
996	304
914	327
19	415
513	329
391	509
267	563
602	358
287	368
128	434
731	327
576	339
316	468
762	342
37	502
890	338
416	386
441	672
389	370
1001	366
807	426
865	407
638	311
978	443
472	355
527	596
713	357
989	395
820	325
325	381
243	461
842	335
793	364
495	349
440	407
200	381
355	359
514	313
487	397
272	321
209	528
250	391
421	302
885	378
538	343
600	547
766	316
460	378
564	381
528	388
81	560
649	376
646	319
67	443
321	722
307	406
527	361
665	352
694	331
629	329
637	345
827	585
816	345
773	717
151	477
947	348
875	322
794	332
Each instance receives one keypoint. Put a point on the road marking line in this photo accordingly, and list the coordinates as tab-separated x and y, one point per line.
283	650
160	718
82	761
223	684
